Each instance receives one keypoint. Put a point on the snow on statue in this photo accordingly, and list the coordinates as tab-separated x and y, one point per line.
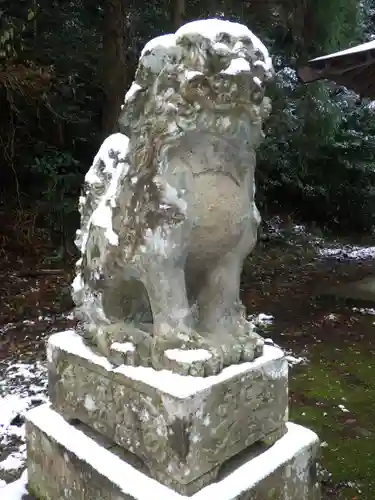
168	212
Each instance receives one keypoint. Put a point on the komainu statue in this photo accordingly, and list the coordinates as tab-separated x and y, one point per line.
167	210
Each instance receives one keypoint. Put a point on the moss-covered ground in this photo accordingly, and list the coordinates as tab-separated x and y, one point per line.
335	396
333	390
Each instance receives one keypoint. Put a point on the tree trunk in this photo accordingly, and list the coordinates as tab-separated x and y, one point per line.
113	65
178	13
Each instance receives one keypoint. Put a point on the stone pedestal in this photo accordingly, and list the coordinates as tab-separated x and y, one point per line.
120	433
66	461
182	428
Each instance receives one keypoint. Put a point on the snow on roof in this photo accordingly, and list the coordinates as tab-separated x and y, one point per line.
352	50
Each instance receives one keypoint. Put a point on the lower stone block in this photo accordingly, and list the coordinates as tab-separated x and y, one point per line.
65	462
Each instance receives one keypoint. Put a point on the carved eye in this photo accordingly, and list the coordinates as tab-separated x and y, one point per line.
224	38
186	42
113	154
246	42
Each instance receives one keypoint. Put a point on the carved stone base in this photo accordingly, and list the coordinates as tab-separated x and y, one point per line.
182	428
67	461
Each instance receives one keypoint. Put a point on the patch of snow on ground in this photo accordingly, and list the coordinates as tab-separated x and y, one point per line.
364	310
342	408
331	317
324	248
293	360
348	252
22	386
261	319
48	318
14	461
300	229
15	490
265	320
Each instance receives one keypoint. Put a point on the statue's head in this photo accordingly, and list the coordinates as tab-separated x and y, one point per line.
209	75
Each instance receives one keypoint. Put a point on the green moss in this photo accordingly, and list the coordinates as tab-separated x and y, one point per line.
340	376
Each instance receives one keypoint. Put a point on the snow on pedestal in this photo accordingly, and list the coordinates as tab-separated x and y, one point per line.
284	471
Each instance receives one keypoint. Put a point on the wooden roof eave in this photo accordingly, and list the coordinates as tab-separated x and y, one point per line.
333	66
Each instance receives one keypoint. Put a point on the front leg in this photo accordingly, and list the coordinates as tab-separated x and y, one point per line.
176	344
222	313
165	285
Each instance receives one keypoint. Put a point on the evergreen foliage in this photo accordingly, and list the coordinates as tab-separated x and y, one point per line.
317	160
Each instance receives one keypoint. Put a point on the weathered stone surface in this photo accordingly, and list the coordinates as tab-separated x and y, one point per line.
168	211
174	394
181	427
65	463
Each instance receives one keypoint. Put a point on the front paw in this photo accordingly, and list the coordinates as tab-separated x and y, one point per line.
252	343
187	353
123	343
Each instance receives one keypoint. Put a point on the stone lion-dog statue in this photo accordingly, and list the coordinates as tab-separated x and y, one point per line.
168	212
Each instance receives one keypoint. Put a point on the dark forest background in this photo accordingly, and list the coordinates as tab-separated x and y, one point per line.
64	70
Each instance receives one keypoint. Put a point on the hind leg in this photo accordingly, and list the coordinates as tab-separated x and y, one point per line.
112	311
126	306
